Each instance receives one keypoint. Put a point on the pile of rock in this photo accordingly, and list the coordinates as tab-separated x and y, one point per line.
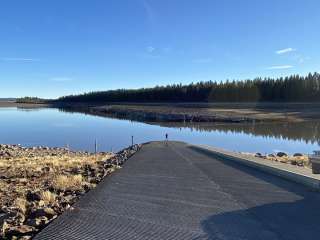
15	151
27	216
298	159
43	198
122	156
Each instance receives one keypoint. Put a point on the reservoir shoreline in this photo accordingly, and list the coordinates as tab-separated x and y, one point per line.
190	112
62	125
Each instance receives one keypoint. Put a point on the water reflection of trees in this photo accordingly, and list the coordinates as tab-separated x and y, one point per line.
308	132
30	109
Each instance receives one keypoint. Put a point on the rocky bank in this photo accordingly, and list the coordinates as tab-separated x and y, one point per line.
39	183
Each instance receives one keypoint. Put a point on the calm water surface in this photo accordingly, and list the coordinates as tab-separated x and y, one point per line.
51	127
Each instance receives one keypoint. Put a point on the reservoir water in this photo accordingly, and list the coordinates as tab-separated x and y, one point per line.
52	127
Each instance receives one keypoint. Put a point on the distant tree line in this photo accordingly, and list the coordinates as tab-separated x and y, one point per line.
31	100
294	88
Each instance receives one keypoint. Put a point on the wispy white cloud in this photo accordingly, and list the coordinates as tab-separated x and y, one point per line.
280	67
150	49
202	60
61	79
152	52
19	59
295	55
285	50
300	58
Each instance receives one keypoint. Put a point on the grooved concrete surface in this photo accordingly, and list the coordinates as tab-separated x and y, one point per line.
174	192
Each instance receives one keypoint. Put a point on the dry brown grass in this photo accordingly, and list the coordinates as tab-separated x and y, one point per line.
56	163
39	173
72	182
21	204
47	197
37	181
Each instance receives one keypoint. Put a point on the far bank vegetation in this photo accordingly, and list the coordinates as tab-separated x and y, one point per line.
294	88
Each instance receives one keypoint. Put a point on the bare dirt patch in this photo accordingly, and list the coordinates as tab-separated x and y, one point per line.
201	112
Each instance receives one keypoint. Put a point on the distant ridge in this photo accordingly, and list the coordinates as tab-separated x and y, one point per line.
7	99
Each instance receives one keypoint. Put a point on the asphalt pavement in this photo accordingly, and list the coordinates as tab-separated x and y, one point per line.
170	191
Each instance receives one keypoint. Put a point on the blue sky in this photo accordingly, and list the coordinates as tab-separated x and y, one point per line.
53	48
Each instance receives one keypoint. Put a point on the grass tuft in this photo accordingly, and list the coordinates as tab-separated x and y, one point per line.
48	197
21	205
64	182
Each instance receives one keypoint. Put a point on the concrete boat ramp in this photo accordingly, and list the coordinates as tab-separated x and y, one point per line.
175	191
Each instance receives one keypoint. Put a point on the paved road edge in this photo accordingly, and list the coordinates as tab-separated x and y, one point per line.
308	181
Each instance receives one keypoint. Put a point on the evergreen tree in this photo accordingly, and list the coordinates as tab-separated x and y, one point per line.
294	88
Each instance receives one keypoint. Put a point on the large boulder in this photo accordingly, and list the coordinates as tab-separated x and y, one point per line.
20	231
282	154
33	196
43	212
298	155
38	222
